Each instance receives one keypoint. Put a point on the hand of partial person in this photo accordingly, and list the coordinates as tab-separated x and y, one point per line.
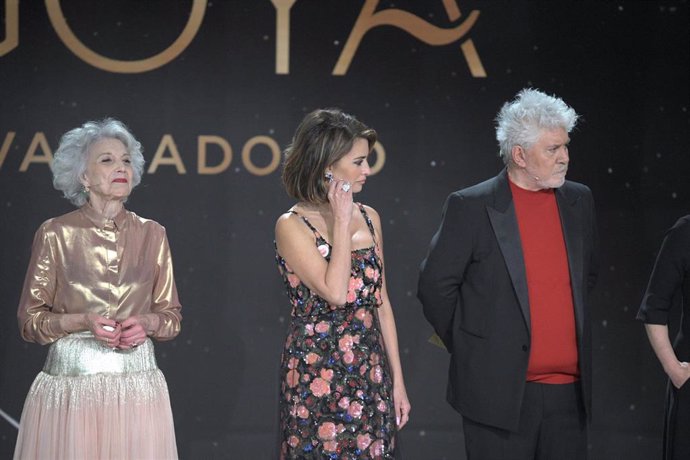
340	198
680	375
133	332
104	329
402	406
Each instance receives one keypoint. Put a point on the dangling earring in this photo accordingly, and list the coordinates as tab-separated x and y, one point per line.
85	190
329	176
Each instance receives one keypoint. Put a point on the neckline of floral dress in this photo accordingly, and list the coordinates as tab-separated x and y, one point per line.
321	240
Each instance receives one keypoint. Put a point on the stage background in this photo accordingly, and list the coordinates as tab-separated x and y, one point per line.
624	66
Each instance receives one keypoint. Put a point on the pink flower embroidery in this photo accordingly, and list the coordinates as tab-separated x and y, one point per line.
320	387
368	320
327	374
322	327
311	358
327	431
309	329
353	286
356	283
293	441
348	357
363	441
376	449
372	274
324	249
293	280
376	374
302	412
355	409
344	403
374	359
293	362
330	446
382	407
292	378
345	343
365	317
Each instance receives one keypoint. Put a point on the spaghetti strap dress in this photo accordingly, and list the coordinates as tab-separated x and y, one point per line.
336	395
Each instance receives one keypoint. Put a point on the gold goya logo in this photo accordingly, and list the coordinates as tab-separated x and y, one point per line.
367	20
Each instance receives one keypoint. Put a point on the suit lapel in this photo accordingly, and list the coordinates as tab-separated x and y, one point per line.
569	209
504	223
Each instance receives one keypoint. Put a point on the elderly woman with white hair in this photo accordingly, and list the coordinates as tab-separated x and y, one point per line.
98	288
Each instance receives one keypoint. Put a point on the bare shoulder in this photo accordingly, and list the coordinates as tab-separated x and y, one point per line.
286	223
283	218
290	229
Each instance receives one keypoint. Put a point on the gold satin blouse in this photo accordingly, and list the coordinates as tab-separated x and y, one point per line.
82	262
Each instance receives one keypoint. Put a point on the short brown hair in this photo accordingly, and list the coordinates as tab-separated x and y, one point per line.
321	139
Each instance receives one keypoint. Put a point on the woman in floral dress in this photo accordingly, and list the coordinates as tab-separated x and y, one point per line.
342	390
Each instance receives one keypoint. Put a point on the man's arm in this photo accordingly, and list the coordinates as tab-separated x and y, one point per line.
442	271
593	274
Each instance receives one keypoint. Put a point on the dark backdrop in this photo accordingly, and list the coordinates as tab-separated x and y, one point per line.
624	66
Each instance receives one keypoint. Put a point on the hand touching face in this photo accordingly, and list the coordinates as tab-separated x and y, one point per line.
353	168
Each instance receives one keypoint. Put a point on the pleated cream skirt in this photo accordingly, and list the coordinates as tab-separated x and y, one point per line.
91	402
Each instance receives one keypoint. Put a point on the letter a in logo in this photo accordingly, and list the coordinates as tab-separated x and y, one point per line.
415	26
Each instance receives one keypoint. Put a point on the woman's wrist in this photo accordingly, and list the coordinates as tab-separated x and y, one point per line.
398	381
150	322
73	322
674	367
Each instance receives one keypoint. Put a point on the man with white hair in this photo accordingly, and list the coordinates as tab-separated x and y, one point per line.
505	286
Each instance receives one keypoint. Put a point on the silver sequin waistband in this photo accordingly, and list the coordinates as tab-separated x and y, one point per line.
81	354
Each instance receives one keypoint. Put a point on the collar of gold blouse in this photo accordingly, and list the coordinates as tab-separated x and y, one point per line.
102	222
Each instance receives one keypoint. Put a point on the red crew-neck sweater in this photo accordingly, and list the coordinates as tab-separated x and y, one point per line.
553	351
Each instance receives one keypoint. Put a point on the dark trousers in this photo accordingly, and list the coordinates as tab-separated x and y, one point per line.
553	426
677	426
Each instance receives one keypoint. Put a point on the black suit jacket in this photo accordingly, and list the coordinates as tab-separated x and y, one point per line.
473	288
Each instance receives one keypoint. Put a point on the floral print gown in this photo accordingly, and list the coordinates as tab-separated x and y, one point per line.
336	399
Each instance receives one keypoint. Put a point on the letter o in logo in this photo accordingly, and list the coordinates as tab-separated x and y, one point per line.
57	18
247	152
380	158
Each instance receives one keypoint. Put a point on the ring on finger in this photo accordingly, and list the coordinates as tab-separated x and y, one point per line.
346	187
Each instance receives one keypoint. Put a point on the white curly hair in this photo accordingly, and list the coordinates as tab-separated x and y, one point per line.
70	159
520	121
